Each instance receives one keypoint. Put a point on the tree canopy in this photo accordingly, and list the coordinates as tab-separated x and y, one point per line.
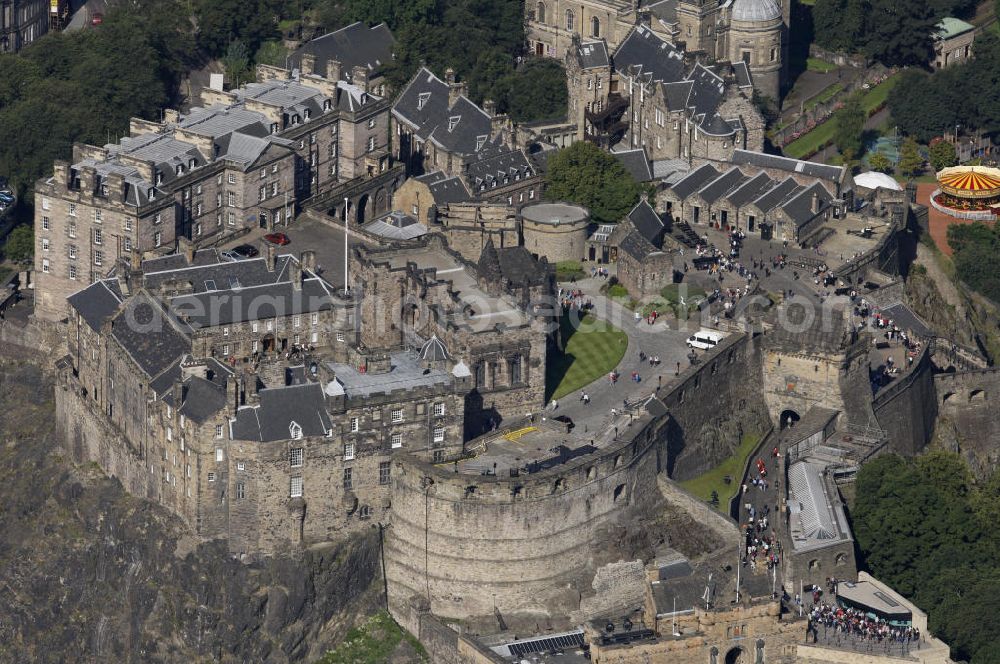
482	40
925	528
968	94
589	176
975	247
20	244
894	32
85	85
850	123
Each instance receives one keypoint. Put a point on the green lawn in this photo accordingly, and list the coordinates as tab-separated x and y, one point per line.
823	134
826	95
703	485
822	66
374	642
591	351
568	270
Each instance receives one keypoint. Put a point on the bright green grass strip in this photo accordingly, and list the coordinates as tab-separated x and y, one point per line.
591	352
703	485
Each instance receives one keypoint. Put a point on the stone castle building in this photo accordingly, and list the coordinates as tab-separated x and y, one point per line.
754	32
649	94
246	160
263	406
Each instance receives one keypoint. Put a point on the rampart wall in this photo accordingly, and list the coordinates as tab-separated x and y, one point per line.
907	408
713	406
527	543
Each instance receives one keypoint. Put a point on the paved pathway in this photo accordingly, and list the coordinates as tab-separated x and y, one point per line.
656	340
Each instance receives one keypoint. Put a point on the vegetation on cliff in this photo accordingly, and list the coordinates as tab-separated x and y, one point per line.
378	641
925	528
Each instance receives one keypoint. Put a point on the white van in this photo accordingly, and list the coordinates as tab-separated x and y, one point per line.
705	339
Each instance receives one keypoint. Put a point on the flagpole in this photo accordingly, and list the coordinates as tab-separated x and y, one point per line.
346	287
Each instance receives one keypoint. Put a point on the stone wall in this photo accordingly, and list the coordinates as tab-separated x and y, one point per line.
907	408
967	421
714	404
531	544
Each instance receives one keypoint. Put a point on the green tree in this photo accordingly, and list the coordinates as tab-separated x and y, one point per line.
237	63
221	22
271	53
942	155
20	244
536	91
850	123
839	25
879	162
589	176
911	163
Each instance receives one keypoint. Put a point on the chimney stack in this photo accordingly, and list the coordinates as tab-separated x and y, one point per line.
490	107
308	64
308	260
178	394
295	273
271	256
233	394
359	77
815	203
334	70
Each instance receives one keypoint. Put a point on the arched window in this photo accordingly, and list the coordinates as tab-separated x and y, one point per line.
540	14
760	652
595	27
570	22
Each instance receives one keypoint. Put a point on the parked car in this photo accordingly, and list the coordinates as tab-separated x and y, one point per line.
97	18
229	256
279	239
245	251
705	339
6	197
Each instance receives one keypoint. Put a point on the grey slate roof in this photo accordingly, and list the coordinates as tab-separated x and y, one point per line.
497	165
201	398
636	246
147	333
777	194
520	268
464	129
97	302
279	407
636	164
396	226
645	54
405	373
215	276
664	10
743	77
811	168
647	223
751	189
253	303
446	189
353	45
676	93
722	185
426	116
593	55
695	180
799	207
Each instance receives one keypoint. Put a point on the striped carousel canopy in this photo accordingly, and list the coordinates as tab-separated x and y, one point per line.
970	181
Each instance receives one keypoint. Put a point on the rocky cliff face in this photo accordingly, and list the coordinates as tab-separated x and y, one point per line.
91	574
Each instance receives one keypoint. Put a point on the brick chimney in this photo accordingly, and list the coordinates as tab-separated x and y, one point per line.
295	273
490	107
308	260
270	255
814	205
177	391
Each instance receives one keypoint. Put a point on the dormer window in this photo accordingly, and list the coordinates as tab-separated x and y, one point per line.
480	142
307	113
327	104
453	121
422	99
191	163
294	431
296	119
180	168
159	177
274	127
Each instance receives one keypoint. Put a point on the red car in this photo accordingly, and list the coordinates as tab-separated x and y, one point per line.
97	19
279	239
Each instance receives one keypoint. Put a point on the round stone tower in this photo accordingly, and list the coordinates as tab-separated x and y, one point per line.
755	36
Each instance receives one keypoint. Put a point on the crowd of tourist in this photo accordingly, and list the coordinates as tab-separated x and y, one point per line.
857	624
